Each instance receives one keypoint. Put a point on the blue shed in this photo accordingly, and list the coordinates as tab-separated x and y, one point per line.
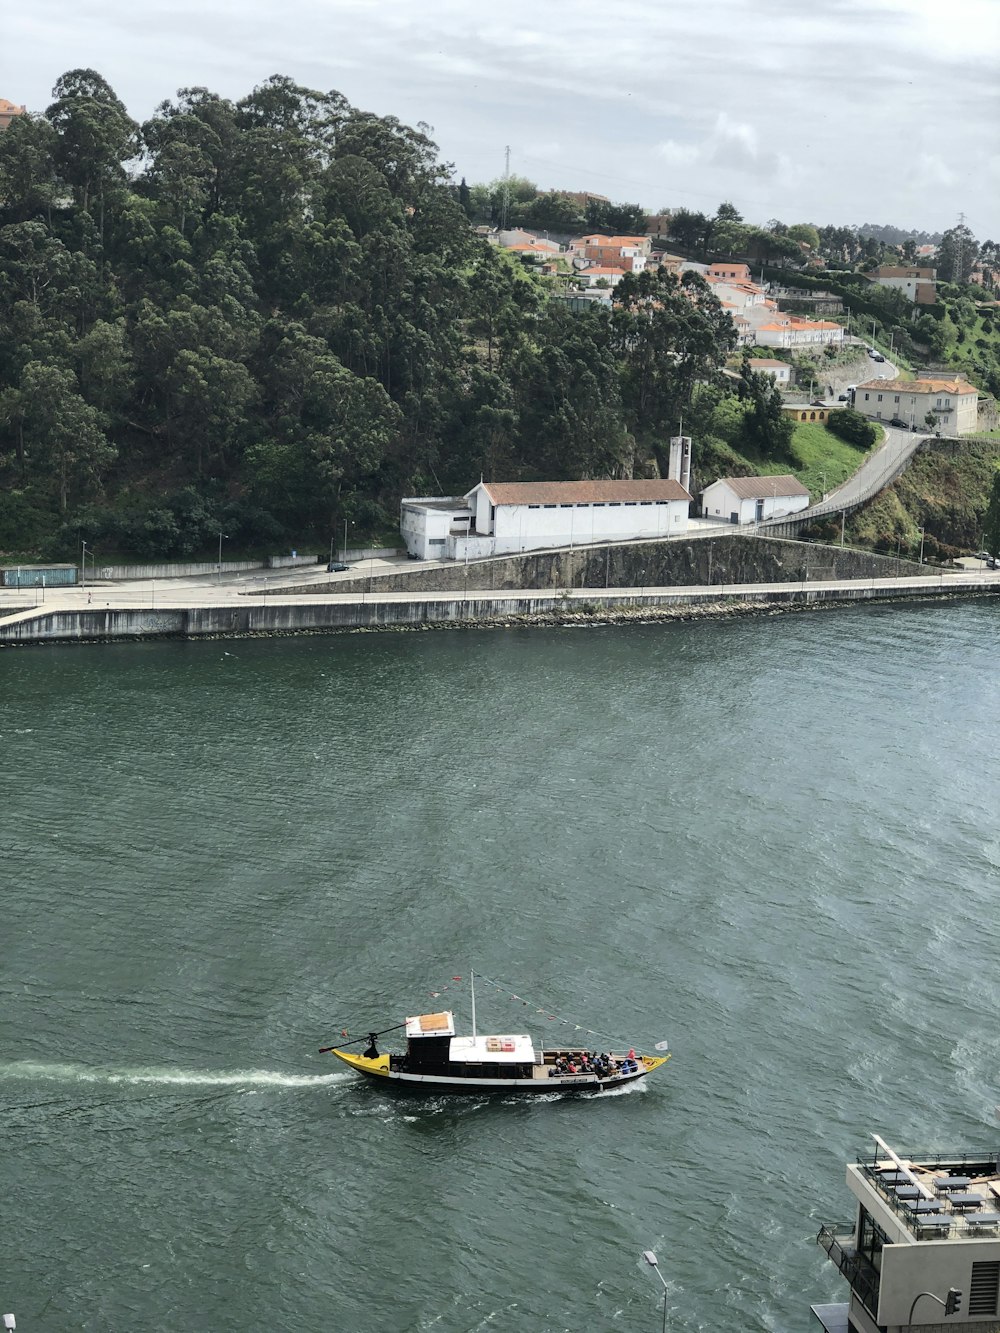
38	576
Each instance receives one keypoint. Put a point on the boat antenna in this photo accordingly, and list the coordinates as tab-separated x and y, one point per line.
472	983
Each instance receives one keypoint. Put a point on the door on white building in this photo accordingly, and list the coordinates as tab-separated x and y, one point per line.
759	511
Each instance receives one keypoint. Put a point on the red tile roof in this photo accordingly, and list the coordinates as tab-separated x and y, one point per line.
759	488
582	492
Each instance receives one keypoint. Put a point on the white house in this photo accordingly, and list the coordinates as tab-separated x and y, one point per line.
751	499
779	371
953	402
501	518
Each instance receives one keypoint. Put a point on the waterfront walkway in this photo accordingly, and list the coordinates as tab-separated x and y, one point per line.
130	611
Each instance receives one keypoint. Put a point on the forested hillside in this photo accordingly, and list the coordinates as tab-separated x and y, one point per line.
271	315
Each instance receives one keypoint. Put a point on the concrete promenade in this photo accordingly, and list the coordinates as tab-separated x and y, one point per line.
137	611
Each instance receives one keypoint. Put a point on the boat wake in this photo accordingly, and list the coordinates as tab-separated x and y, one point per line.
31	1070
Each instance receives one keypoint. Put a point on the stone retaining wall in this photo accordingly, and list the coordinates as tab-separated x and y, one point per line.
698	562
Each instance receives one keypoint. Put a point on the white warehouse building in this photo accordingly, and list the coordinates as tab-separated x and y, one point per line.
503	518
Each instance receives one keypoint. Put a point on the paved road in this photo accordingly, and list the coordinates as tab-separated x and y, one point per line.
878	469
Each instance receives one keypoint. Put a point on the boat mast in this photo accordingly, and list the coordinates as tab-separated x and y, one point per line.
472	982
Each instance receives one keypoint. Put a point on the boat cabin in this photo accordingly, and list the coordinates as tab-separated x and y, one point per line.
433	1048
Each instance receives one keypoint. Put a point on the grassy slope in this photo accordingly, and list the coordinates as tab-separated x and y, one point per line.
818	451
944	490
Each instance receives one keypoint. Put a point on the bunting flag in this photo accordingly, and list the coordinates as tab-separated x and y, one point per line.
509	993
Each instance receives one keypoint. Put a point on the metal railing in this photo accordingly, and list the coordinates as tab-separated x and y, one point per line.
862	1276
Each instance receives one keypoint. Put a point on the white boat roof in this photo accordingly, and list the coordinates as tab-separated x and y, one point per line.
431	1025
504	1050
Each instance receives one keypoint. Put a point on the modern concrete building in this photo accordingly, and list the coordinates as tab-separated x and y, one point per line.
502	518
924	1243
917	284
751	499
953	402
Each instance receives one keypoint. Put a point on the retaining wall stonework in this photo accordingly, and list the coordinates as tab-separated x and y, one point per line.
677	563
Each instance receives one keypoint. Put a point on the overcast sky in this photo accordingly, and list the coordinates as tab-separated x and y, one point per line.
844	111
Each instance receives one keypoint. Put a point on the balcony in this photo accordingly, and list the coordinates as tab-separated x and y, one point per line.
838	1242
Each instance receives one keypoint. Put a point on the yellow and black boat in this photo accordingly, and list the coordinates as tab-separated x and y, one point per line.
438	1060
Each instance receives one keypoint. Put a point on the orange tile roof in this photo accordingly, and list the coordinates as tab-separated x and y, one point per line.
921	386
603	269
582	492
10	108
757	488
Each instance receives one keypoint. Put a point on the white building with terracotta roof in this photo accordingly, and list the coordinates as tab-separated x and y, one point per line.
789	331
503	518
779	371
599	274
752	499
954	403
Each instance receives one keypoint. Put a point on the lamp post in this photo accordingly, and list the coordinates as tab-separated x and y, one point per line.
218	575
651	1259
921	546
83	564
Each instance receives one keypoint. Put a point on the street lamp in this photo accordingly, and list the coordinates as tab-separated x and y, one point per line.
651	1259
219	567
83	564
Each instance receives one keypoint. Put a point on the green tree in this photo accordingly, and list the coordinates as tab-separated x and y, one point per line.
854	427
804	233
95	136
63	435
671	333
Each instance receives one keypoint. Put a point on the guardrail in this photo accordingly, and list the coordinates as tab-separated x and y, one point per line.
864	1279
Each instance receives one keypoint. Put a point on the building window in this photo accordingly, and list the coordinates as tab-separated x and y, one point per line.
551	506
534	506
880	398
896	399
435	541
565	506
661	502
645	502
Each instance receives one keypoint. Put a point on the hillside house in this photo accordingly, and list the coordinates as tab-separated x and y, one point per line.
954	403
779	371
917	284
752	499
8	110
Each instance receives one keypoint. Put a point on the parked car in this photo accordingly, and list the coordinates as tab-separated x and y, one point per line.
843	397
878	357
982	555
336	567
898	421
993	562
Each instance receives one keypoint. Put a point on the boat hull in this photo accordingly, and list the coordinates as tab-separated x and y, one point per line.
379	1071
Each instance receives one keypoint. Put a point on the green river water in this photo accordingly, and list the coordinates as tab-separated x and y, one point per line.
773	842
